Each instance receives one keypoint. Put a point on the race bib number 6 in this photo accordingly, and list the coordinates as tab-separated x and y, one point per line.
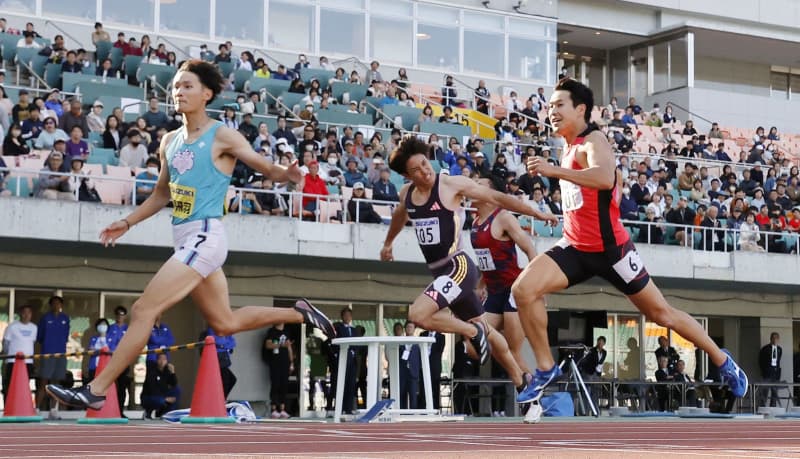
447	287
629	267
427	230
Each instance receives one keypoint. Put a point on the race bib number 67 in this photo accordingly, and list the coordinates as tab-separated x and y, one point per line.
629	267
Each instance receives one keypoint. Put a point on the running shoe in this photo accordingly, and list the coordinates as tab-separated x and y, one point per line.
541	379
81	397
314	317
733	376
481	344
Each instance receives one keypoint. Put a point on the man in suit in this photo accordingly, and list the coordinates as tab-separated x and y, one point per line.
409	371
769	360
592	365
665	350
681	376
663	374
345	329
713	234
435	359
681	215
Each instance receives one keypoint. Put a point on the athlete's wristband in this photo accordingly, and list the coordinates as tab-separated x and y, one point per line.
127	222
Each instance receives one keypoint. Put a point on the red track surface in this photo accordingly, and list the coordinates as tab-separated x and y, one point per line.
667	438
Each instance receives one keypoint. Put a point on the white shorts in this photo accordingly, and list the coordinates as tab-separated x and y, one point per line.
201	244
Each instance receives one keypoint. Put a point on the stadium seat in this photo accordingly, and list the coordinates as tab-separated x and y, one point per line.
225	68
52	75
346	92
321	75
541	228
9	44
351	119
163	74
38	64
409	115
71	80
103	49
132	65
272	86
558	230
115	54
19	186
104	156
240	77
26	55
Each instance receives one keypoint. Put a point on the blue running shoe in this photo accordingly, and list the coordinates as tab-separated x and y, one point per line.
534	389
733	376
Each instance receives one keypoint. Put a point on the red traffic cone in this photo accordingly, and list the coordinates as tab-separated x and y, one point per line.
19	404
208	400
109	413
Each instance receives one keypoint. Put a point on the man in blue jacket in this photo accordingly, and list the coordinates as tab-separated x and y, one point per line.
160	337
52	336
115	333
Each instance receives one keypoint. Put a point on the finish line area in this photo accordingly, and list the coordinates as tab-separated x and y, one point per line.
590	438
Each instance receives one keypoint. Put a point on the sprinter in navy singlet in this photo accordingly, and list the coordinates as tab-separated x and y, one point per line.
433	205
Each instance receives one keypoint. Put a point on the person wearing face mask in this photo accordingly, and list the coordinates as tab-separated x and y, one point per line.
133	154
14	144
628	208
96	343
145	181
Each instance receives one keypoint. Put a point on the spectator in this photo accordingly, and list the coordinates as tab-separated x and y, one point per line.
688	128
247	201
94	120
99	34
14	144
482	98
71	64
160	392
330	169
640	192
749	234
154	117
373	74
81	186
651	232
345	329
160	338
384	189
134	154
96	343
76	147
361	211
313	185
54	186
105	70
449	92
713	235
115	333
681	377
410	364
628	207
284	133
280	73
280	358
628	117
247	129
144	187
48	137
52	336
111	135
223	55
669	352
773	134
681	215
375	166
663	374
352	175
20	111
225	346
769	361
19	336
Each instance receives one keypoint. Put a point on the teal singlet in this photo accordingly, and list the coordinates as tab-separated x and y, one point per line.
196	186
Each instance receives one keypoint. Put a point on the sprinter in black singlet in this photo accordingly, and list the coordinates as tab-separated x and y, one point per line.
433	204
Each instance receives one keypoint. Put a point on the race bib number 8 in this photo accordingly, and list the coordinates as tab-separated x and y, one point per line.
629	267
571	196
427	230
485	260
182	200
447	287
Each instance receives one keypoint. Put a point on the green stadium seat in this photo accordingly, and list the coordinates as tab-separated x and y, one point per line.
89	69
290	99
225	68
92	91
26	55
24	184
321	75
104	156
446	129
542	229
103	48
558	230
52	75
9	45
96	138
354	91
71	80
132	65
115	54
240	77
352	119
271	85
409	115
162	73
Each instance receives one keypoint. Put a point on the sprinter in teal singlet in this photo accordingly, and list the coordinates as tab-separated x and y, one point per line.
197	161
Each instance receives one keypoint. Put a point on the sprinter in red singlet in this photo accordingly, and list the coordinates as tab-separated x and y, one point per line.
594	243
495	236
433	204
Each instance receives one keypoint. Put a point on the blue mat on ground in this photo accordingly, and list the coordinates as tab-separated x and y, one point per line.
649	414
788	415
708	416
376	410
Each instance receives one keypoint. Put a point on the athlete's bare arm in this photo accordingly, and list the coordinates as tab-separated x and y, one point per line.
234	144
155	202
599	170
510	226
399	219
467	187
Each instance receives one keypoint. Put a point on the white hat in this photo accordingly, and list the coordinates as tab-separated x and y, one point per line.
358	186
479	155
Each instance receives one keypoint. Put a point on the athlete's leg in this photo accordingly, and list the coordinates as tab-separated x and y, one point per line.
515	336
171	284
652	304
426	314
494	320
211	298
540	277
501	352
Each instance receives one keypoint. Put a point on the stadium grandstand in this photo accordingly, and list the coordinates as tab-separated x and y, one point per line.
696	98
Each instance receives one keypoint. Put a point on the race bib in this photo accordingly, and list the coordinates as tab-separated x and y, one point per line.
182	200
427	230
629	267
447	287
485	260
571	196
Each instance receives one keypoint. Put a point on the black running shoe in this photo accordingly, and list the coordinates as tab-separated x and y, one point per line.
81	397
481	344
314	317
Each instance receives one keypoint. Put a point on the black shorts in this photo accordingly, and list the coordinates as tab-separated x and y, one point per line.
454	285
500	302
621	266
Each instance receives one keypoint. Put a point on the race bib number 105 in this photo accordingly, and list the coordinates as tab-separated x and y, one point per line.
427	230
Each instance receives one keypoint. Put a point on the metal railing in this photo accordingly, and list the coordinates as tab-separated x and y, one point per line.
64	32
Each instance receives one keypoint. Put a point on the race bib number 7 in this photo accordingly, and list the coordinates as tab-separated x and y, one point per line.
182	200
485	260
629	267
571	196
427	230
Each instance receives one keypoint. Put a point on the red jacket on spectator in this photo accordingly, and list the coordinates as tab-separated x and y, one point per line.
313	185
